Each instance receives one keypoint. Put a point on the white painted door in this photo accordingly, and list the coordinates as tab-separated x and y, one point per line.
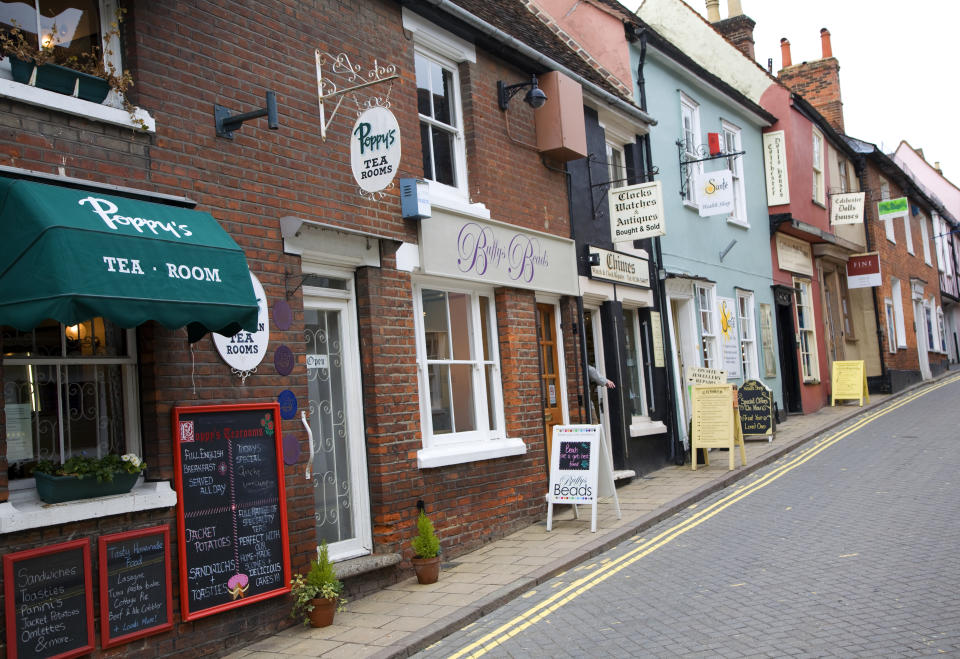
338	467
920	331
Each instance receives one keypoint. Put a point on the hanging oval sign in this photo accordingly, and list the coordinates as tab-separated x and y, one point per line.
245	350
375	149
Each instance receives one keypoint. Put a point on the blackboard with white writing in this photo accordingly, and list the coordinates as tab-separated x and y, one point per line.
756	408
233	520
135	588
49	601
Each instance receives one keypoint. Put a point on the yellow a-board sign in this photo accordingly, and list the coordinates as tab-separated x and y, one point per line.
716	423
849	382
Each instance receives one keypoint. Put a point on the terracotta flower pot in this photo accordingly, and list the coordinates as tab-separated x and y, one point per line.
323	610
427	569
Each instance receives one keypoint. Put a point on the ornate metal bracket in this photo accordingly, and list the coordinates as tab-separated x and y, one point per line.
703	153
606	185
350	74
243	375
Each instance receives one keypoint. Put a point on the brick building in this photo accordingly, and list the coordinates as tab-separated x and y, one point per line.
404	356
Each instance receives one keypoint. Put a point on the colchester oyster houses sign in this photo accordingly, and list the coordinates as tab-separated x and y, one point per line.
375	149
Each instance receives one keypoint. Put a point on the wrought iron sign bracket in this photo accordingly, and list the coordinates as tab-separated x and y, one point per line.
606	185
702	150
350	74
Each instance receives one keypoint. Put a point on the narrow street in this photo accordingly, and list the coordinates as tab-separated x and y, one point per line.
846	547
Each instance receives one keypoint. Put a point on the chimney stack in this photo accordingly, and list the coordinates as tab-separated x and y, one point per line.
785	53
713	10
818	82
734	8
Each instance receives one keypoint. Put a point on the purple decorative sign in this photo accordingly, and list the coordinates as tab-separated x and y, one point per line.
283	360
288	404
282	315
291	449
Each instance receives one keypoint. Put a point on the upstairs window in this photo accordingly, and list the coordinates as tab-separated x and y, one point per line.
690	122
925	240
818	189
888	223
441	133
732	144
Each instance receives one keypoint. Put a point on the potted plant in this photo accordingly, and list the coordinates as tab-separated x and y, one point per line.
319	595
426	550
82	477
47	65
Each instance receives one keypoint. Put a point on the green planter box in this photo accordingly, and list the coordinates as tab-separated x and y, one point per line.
57	489
60	79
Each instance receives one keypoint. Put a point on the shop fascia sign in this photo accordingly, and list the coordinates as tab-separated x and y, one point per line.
375	149
636	212
794	255
244	351
863	270
847	208
716	193
621	268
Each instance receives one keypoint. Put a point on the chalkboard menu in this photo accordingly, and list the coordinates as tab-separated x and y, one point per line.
232	531
135	589
575	456
756	408
49	601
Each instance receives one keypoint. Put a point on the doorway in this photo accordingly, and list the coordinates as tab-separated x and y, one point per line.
338	464
550	382
787	333
920	331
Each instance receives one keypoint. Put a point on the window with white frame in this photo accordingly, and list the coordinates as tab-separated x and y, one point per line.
690	124
942	242
900	323
908	230
748	335
891	326
925	239
888	223
818	183
932	340
706	304
67	391
637	390
842	175
616	170
806	328
941	327
732	143
459	365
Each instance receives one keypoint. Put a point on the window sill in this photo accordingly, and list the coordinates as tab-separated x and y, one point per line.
812	381
441	456
26	511
743	224
75	106
450	199
644	427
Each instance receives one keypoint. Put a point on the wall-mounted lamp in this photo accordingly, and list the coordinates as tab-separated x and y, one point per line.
535	97
226	123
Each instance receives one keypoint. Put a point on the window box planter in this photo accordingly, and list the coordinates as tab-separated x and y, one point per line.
60	79
57	489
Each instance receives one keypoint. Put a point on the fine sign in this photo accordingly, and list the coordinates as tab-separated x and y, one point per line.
375	149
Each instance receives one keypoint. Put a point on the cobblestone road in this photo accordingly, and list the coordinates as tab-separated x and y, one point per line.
847	547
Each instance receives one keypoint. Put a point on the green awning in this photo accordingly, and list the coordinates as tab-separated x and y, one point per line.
72	255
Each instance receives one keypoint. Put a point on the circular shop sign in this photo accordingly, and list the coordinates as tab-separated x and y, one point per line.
375	149
245	350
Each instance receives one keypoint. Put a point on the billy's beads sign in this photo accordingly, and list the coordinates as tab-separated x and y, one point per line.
375	149
636	212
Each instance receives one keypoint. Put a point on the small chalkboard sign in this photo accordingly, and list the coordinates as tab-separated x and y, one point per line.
136	597
232	531
581	470
756	409
49	601
575	456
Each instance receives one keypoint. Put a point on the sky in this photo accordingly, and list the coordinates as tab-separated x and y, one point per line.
898	75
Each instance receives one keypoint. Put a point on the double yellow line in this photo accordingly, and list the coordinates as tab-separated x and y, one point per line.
560	598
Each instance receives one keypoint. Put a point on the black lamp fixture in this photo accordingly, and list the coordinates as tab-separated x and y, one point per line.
535	97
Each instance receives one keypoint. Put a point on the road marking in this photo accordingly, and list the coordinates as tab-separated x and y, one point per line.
539	611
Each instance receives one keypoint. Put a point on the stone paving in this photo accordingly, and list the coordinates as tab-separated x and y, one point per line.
407	617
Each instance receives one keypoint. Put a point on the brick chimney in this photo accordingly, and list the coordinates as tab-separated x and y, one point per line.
817	81
736	28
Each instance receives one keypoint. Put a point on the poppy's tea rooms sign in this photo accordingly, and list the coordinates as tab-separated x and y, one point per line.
375	149
636	212
495	253
716	193
847	208
244	351
620	268
775	167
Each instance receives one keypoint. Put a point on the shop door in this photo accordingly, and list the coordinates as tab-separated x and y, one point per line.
832	312
338	467
787	333
920	331
678	307
594	344
549	374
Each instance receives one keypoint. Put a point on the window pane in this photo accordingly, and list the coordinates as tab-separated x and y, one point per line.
438	376
427	148
490	378
484	329
435	327
72	26
632	346
461	380
42	341
32	419
93	410
423	86
443	156
461	325
442	85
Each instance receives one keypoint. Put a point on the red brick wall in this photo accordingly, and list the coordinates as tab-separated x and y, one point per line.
819	83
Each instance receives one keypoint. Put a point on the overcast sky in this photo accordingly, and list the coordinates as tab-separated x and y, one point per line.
898	64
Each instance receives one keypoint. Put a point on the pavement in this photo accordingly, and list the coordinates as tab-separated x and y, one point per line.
407	617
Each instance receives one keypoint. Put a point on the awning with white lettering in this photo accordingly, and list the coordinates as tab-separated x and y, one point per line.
71	255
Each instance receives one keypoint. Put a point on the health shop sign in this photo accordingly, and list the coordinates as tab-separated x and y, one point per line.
716	193
775	167
847	208
495	253
863	270
375	149
636	212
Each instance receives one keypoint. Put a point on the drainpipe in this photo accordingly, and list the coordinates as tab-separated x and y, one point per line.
862	176
676	446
